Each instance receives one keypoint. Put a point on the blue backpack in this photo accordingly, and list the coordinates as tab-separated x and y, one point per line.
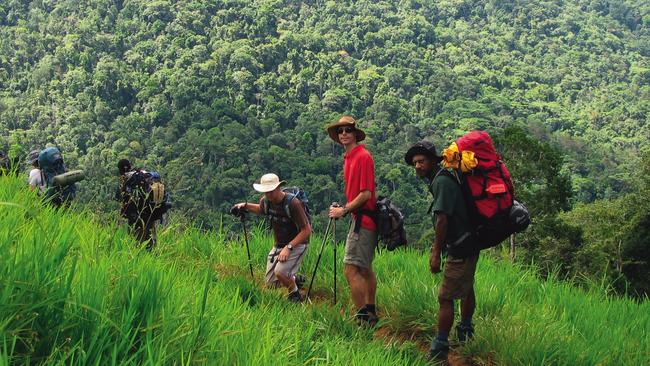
50	161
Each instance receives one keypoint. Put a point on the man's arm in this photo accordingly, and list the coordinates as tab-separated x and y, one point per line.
250	207
302	236
355	204
441	234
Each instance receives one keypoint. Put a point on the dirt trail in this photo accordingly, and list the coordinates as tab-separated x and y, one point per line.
422	343
321	296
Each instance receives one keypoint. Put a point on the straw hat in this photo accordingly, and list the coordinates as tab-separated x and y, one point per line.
268	183
332	129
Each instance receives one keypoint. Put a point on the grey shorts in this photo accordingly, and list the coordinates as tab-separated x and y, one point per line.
360	248
288	268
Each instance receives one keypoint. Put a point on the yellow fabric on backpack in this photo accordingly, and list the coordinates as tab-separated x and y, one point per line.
453	159
158	192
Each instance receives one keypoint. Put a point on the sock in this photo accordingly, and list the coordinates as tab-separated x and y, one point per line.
466	322
371	308
443	337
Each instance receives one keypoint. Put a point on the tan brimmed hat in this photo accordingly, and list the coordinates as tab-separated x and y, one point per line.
332	129
268	182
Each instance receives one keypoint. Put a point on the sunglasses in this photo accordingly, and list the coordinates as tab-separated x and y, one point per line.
345	129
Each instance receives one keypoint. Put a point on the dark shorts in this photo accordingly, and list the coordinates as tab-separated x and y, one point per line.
458	278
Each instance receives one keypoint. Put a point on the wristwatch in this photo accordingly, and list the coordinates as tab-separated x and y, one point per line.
290	246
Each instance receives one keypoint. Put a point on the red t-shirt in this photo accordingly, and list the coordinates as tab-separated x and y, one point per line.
359	175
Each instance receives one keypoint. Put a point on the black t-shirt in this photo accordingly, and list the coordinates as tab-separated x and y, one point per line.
285	228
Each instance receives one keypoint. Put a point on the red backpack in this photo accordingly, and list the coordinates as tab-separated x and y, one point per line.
489	183
489	192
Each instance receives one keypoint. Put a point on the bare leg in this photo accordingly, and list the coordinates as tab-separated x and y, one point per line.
287	282
358	286
467	305
445	315
371	285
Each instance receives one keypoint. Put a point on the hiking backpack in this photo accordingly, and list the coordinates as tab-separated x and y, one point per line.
50	162
144	196
390	224
290	194
488	190
389	221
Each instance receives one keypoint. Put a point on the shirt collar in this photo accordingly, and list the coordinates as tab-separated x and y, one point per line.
354	151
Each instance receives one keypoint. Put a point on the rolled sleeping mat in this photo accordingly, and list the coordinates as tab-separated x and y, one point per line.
69	178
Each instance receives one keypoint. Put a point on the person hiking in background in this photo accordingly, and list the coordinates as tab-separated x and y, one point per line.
35	179
5	163
452	225
291	231
143	201
359	176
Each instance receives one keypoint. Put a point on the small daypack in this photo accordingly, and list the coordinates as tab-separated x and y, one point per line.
144	196
390	224
487	188
389	221
50	162
290	194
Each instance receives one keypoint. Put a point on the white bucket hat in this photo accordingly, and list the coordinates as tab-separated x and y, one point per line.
268	182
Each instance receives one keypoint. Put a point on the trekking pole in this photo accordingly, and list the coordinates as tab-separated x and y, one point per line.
248	251
334	241
327	230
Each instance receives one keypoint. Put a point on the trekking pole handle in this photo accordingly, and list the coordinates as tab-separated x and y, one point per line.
336	204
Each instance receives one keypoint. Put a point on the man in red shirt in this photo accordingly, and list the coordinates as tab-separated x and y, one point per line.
359	175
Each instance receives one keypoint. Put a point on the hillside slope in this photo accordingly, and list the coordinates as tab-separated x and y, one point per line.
75	290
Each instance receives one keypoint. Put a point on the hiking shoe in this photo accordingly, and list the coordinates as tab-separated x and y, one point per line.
300	280
373	319
464	333
295	296
439	351
366	318
362	316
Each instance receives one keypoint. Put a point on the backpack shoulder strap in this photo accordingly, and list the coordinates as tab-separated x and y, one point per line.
265	206
286	203
453	175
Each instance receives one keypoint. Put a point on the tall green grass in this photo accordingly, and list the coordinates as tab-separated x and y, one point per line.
75	289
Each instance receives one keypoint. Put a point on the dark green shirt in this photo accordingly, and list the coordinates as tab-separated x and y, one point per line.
448	199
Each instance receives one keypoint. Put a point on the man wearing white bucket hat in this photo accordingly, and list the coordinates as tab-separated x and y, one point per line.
291	230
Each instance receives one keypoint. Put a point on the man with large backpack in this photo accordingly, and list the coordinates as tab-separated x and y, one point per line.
359	176
453	230
60	188
36	179
286	209
144	201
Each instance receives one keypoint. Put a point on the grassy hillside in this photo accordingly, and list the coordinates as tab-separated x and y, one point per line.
75	290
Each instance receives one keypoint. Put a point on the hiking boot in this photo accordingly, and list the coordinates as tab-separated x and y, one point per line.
366	318
300	280
295	296
362	316
464	333
439	351
373	319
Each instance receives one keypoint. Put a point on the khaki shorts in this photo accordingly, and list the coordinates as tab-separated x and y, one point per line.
360	248
288	268
458	278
